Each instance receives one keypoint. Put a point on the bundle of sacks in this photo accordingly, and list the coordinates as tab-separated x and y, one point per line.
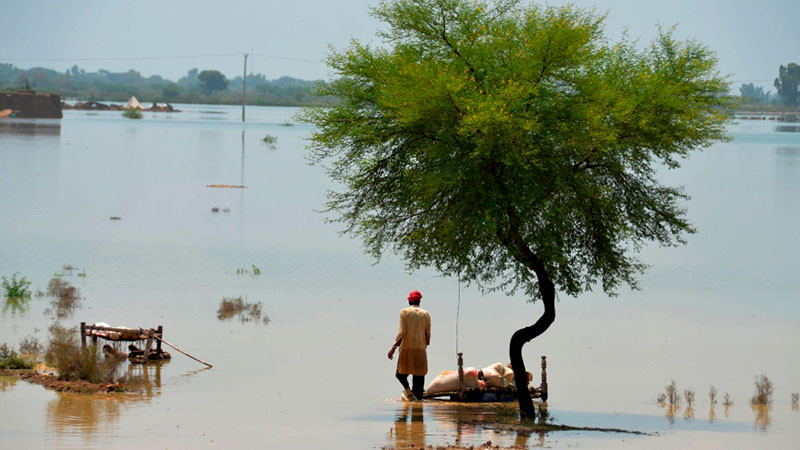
447	381
496	375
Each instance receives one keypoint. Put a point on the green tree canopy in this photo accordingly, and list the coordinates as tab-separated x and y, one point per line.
788	84
514	146
212	80
752	94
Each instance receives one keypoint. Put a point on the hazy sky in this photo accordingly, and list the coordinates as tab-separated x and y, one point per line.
751	38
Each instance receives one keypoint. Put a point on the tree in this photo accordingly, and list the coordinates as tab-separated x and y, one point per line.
752	94
212	80
514	146
787	84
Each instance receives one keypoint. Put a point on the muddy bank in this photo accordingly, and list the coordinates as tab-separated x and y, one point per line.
52	382
30	105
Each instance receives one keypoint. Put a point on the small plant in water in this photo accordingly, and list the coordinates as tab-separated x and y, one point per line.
671	391
243	271
235	306
688	394
16	287
795	401
712	396
287	124
132	113
504	411
726	401
764	390
270	141
66	298
31	346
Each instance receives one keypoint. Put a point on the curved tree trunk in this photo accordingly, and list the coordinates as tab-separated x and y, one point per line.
525	335
517	246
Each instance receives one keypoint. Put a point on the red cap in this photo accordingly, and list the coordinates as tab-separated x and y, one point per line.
415	296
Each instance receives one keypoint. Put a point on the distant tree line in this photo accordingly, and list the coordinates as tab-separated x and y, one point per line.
197	86
787	85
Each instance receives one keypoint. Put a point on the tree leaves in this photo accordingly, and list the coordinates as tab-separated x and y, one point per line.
477	123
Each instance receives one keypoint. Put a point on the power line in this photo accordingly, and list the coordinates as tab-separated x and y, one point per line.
286	58
122	58
133	58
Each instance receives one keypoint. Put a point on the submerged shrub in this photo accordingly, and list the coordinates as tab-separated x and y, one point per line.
132	113
712	396
16	287
66	298
233	307
727	402
688	394
72	362
31	346
764	390
671	391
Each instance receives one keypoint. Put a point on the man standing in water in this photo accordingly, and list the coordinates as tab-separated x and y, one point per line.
413	339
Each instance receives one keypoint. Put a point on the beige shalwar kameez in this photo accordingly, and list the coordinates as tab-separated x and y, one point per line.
413	338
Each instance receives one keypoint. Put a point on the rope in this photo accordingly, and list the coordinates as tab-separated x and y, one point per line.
458	309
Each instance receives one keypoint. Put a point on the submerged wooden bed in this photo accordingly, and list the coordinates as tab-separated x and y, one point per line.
490	394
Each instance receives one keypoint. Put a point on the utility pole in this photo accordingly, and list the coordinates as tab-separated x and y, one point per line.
244	86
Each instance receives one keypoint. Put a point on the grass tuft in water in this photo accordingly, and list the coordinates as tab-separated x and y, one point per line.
688	395
16	287
712	396
764	391
237	307
505	412
671	393
132	113
726	401
66	298
795	401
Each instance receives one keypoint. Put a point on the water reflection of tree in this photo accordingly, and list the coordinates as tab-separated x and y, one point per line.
7	382
672	410
88	414
17	306
712	415
763	416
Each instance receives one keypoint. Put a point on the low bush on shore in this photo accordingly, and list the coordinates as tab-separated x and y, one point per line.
9	359
72	362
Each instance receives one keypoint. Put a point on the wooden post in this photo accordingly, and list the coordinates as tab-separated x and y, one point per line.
460	376
160	335
244	86
543	387
83	334
149	343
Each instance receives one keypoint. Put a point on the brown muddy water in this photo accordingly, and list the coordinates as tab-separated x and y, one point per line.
718	311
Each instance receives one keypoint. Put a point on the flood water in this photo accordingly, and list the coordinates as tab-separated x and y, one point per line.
718	311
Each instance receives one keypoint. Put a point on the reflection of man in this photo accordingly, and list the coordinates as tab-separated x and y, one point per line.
410	435
413	339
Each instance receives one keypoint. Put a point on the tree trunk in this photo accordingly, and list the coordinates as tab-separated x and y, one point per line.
525	335
514	242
